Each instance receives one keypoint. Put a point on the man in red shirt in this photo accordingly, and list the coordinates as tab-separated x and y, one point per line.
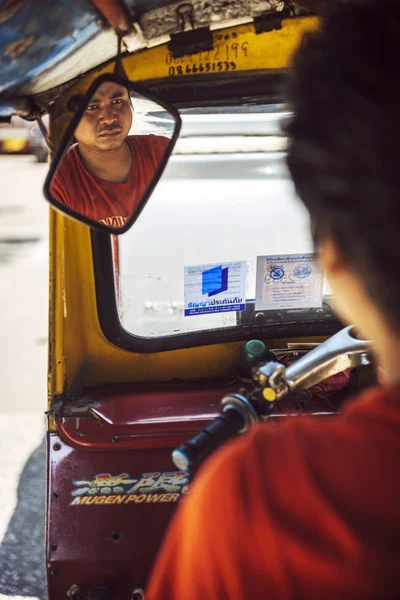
105	175
310	509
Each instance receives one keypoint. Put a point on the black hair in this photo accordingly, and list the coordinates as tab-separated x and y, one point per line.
344	140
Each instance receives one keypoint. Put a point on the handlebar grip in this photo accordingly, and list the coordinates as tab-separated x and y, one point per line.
190	454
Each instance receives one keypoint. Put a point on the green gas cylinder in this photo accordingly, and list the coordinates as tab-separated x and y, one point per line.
251	354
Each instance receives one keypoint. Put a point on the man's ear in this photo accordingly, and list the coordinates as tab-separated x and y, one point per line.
331	258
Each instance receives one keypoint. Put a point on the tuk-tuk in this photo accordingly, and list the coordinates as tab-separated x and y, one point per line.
158	315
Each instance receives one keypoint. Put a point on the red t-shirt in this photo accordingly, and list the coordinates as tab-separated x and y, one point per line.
109	202
305	509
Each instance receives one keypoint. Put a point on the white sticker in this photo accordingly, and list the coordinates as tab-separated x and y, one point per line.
288	281
215	288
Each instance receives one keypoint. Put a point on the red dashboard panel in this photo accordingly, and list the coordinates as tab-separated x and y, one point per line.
112	484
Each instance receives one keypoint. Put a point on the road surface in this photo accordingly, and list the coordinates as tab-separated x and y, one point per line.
23	356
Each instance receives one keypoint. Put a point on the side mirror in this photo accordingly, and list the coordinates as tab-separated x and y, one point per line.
112	155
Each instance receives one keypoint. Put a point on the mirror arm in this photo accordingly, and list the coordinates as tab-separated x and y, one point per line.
119	67
51	146
116	14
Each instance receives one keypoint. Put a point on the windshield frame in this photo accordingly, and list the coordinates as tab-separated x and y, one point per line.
195	96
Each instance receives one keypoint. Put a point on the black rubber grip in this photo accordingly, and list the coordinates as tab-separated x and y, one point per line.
209	439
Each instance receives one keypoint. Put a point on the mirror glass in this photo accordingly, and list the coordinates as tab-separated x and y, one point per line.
113	156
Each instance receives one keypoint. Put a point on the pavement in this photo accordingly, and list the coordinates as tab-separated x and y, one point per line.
23	363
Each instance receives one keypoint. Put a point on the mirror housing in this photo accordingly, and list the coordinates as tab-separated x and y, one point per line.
112	155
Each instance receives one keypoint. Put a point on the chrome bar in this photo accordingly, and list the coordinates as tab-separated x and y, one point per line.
340	352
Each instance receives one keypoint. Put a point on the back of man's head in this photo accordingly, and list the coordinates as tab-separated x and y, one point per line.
345	141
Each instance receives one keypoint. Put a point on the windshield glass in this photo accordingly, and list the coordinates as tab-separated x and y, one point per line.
189	263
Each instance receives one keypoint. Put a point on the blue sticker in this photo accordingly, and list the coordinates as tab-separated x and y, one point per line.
302	271
215	288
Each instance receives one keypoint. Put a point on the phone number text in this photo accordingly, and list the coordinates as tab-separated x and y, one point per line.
208	67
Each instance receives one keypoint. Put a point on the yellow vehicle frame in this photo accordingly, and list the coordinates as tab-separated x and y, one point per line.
79	353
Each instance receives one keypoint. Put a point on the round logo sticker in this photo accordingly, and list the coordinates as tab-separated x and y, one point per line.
302	271
277	273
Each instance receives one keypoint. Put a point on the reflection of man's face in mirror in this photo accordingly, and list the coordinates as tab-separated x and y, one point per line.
105	175
107	119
